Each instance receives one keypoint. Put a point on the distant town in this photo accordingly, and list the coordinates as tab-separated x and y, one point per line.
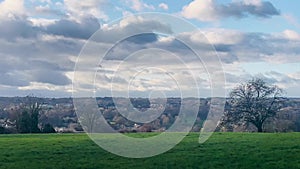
60	114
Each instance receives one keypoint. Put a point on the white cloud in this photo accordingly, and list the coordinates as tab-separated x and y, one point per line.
126	13
130	25
47	10
42	1
291	35
291	19
253	2
12	9
139	5
203	10
34	49
217	36
163	6
46	87
210	10
80	9
41	8
40	22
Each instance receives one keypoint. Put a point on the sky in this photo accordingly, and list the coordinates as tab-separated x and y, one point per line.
147	48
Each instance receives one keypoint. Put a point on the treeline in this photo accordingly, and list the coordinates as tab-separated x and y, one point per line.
43	115
25	119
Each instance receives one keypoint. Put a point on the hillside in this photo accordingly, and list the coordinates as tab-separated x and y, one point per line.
222	150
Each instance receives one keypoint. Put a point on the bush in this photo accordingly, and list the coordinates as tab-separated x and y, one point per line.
4	130
48	128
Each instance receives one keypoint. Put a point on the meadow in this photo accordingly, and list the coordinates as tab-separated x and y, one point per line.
222	150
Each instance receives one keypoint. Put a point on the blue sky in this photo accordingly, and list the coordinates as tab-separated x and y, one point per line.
114	10
41	40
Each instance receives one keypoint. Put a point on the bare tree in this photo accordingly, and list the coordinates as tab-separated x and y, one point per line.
253	102
28	116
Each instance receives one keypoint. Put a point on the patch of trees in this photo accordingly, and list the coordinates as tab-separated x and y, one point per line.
4	130
140	102
26	118
48	128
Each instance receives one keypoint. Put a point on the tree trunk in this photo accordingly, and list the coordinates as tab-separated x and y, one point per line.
259	128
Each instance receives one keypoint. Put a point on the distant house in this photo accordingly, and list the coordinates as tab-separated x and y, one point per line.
7	123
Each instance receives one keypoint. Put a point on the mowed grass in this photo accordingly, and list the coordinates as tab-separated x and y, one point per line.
222	150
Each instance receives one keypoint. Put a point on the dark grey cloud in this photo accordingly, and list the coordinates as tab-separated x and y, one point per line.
235	79
242	9
31	53
222	47
36	59
251	47
13	79
31	57
17	28
38	55
267	79
212	10
271	77
283	78
266	47
142	38
229	58
51	77
124	38
131	26
20	72
73	29
124	48
11	29
47	72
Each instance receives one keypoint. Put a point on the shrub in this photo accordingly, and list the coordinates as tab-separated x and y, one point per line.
48	128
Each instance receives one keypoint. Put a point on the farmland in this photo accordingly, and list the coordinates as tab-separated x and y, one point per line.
222	150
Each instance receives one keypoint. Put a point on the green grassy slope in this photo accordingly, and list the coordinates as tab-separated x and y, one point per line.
222	150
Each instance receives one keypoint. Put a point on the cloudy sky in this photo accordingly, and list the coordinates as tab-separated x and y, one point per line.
41	41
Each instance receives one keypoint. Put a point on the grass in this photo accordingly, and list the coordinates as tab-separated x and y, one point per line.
222	150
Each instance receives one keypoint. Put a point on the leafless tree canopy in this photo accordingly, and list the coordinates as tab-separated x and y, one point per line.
254	102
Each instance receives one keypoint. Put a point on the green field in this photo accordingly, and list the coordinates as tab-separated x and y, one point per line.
222	150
